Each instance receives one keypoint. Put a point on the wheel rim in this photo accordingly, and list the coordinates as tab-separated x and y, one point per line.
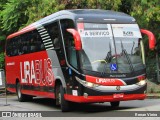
59	98
18	91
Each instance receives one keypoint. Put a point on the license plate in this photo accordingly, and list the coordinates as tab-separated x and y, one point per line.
118	95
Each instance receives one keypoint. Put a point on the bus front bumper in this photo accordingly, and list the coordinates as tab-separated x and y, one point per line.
107	98
109	94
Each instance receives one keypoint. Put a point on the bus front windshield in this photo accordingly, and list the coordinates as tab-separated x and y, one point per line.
105	51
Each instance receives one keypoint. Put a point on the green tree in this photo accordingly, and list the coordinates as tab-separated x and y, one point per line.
2	33
104	4
147	14
15	14
41	8
2	36
19	13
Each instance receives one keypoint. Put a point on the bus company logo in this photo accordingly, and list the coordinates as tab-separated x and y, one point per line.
39	71
127	33
10	63
103	80
118	88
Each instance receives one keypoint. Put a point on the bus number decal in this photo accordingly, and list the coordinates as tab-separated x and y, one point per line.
39	71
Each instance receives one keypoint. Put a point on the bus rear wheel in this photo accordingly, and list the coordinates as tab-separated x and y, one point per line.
115	104
22	97
65	105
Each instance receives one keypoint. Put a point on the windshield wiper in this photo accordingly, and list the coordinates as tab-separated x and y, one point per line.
107	59
109	55
132	48
126	54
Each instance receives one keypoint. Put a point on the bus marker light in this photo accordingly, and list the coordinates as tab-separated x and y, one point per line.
70	71
76	87
141	78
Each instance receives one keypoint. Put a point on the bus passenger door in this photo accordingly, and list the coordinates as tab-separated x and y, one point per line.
71	53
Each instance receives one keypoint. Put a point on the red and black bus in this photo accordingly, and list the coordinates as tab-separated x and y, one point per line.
83	56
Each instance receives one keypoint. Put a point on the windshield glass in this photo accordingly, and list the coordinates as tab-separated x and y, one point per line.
103	50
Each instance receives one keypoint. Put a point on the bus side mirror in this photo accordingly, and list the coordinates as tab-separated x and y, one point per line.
152	40
77	38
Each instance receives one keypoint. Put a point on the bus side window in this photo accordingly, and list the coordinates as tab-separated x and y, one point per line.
25	44
20	46
39	44
15	46
9	47
32	42
36	43
69	41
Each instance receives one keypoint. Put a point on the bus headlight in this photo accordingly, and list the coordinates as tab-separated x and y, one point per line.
142	82
85	83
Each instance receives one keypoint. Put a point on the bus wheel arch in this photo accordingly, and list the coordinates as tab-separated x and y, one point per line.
17	80
58	83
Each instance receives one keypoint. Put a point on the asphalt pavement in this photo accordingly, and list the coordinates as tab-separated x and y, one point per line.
98	111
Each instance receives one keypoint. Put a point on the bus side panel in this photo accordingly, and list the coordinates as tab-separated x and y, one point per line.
57	68
12	72
34	72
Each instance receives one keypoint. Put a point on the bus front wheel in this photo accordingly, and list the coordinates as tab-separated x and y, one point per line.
115	104
65	105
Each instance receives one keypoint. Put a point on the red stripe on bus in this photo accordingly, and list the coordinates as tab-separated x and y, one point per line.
11	90
105	81
39	93
25	30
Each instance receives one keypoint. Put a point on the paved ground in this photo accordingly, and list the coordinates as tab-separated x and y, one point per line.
43	104
86	110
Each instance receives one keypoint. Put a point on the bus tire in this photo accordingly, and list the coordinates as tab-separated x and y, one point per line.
115	104
22	97
65	105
